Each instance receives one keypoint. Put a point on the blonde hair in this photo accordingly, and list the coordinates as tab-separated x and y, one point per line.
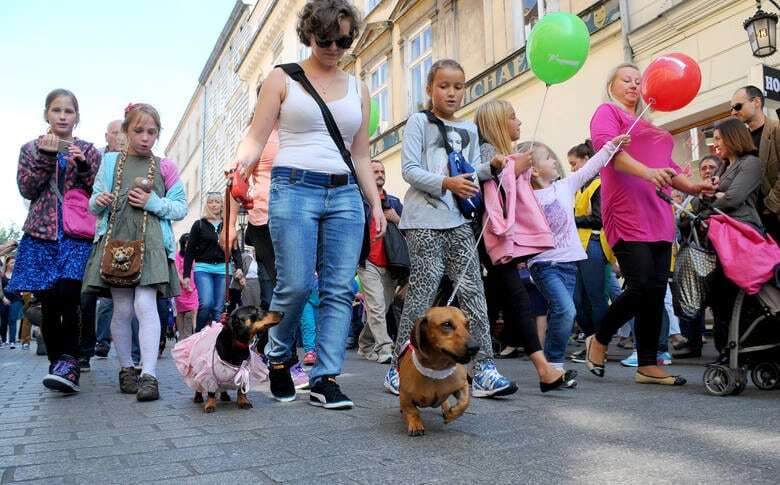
491	118
134	111
607	95
207	213
541	153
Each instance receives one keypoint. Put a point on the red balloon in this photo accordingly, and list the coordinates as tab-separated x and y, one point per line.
670	82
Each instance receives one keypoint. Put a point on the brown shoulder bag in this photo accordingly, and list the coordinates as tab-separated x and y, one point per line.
123	261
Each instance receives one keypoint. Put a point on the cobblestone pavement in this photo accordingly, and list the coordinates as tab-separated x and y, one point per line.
609	431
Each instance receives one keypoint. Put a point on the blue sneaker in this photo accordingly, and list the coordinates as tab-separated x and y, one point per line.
299	376
664	358
488	382
630	361
63	375
392	380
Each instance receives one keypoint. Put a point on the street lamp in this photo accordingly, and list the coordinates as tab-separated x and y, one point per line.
762	31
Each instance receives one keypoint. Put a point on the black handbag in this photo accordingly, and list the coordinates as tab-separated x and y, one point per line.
296	73
397	252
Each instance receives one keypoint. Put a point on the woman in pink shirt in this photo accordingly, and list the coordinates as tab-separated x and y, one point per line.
638	224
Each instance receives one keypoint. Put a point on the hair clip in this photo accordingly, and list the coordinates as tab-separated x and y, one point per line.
130	107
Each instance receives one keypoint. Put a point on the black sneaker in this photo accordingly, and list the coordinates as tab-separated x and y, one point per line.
282	386
101	350
64	375
128	380
578	356
84	365
327	394
148	388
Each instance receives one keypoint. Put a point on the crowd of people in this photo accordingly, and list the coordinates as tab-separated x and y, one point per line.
546	270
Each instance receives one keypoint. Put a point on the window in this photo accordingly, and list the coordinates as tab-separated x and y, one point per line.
304	52
420	60
380	92
370	4
527	13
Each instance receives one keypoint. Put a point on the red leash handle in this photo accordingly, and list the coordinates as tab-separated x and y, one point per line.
226	246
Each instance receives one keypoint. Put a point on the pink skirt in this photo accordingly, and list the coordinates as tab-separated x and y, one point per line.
204	371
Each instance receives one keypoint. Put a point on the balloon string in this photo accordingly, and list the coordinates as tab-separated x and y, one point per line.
500	183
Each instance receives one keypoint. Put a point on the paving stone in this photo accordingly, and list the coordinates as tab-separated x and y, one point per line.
133	476
66	468
235	477
34	458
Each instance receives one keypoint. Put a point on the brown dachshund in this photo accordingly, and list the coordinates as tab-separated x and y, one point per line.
431	367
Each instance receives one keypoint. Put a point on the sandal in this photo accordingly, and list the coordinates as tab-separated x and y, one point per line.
593	367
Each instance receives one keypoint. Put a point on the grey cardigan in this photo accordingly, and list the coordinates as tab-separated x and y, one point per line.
741	184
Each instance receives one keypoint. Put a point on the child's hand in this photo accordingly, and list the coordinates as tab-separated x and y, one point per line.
48	143
186	284
461	185
498	162
138	198
104	200
621	140
75	153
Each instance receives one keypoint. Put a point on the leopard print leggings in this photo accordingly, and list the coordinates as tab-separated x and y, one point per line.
432	254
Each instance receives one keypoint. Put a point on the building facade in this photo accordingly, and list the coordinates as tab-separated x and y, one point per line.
186	148
402	38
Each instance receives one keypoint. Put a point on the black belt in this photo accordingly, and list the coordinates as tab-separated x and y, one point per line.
314	178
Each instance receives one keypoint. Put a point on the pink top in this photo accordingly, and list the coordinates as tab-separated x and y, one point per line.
630	208
516	228
187	301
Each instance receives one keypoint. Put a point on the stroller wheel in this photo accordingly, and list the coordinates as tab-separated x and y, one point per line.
719	380
741	382
766	375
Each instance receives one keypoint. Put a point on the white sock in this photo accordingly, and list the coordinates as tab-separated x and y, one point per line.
557	365
148	327
121	331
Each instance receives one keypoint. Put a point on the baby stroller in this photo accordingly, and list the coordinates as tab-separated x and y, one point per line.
754	330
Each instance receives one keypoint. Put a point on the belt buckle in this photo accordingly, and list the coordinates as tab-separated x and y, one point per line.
337	180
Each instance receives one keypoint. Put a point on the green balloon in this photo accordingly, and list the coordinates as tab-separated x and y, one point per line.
373	120
557	47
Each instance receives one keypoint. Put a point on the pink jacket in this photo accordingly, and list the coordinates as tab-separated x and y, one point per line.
517	228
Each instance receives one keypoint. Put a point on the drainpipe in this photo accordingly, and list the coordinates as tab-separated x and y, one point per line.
628	52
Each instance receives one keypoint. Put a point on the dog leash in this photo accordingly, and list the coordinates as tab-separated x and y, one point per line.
500	183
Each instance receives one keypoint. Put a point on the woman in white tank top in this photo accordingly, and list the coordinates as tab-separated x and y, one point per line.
316	214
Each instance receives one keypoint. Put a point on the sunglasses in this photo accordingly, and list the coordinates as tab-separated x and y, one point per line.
738	106
344	42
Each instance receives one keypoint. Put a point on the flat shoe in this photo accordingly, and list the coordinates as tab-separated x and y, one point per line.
640	378
565	380
594	368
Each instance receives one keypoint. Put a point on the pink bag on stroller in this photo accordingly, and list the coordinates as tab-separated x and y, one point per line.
748	259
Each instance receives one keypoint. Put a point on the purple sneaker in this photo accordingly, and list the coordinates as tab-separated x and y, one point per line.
299	376
64	375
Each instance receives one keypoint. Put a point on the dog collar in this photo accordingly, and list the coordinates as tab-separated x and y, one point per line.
240	345
430	373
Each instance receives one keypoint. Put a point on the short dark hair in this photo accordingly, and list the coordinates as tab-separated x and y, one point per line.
379	162
712	158
322	17
736	136
753	92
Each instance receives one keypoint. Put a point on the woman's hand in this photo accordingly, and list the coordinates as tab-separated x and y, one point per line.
186	284
379	221
660	177
708	187
461	185
498	162
104	200
138	198
6	301
49	143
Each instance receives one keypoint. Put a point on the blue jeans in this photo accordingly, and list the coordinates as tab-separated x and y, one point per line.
10	315
590	296
556	281
211	297
314	227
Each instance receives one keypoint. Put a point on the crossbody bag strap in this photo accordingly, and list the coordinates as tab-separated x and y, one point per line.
296	73
432	118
